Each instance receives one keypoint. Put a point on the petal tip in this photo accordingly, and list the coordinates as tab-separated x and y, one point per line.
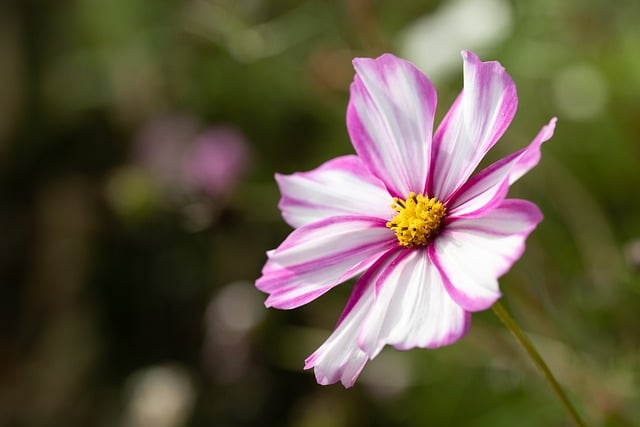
467	55
268	303
472	59
387	57
361	61
278	177
348	384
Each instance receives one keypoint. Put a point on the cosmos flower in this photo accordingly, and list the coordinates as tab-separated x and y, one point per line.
429	239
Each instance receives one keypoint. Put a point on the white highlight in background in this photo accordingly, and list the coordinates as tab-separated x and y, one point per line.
434	42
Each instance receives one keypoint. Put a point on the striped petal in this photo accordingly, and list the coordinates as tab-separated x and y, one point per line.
471	254
342	186
475	122
489	187
390	121
339	358
412	308
316	257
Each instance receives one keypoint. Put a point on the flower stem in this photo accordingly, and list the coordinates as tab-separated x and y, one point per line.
511	324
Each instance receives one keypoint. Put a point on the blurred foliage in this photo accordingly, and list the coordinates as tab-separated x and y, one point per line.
126	294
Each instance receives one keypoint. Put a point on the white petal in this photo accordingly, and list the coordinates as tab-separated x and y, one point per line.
339	358
531	156
511	217
489	187
468	269
412	308
319	256
390	121
471	254
475	122
342	186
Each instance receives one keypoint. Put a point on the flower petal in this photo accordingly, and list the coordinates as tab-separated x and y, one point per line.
475	122
472	253
339	358
342	186
319	256
390	121
412	308
531	156
489	186
511	217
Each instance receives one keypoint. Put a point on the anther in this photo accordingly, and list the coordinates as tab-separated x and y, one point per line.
418	219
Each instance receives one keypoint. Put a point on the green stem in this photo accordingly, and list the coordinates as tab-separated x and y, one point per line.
511	324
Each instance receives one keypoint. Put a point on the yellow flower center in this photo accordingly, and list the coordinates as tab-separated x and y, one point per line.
418	219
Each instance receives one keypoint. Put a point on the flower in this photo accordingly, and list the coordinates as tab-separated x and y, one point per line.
217	161
189	162
430	241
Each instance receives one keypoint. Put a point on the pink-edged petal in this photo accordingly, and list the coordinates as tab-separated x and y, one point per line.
489	187
342	186
339	358
390	121
412	308
475	122
316	257
511	217
472	253
531	156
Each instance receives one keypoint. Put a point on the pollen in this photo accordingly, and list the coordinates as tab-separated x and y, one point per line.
418	219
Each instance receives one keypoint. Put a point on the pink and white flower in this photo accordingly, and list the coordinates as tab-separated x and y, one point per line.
429	239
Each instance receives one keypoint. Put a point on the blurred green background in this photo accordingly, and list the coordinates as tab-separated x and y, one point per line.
138	143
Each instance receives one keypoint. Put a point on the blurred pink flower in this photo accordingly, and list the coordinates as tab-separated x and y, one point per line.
216	161
186	161
431	240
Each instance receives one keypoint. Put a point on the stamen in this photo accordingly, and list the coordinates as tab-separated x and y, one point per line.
418	219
